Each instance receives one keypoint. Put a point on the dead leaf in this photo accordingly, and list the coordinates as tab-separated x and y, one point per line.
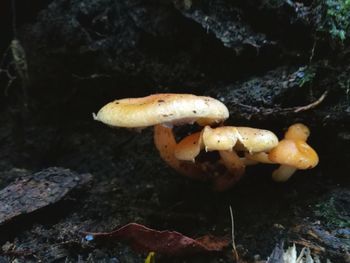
171	243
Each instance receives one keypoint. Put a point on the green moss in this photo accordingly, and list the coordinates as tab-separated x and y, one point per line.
332	217
336	18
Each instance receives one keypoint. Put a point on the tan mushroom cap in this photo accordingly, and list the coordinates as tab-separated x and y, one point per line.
226	138
255	140
297	154
162	109
220	138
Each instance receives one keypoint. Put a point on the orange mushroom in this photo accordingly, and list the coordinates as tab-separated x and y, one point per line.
165	143
293	153
226	140
163	111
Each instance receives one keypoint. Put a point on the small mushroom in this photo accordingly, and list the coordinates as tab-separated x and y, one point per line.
227	140
163	111
293	153
165	143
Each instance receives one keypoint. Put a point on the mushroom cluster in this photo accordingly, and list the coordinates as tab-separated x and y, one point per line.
237	147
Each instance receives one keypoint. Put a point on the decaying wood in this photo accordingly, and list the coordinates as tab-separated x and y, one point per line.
37	191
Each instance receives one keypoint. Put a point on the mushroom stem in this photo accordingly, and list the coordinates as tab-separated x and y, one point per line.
233	163
248	162
283	173
235	170
255	158
165	142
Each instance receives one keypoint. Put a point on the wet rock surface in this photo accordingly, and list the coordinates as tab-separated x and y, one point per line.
264	59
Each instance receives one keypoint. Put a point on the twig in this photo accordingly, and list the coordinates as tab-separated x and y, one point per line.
313	104
234	249
309	244
301	255
297	109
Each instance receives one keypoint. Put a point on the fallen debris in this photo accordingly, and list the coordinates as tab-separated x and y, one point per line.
234	248
278	255
9	249
279	110
42	189
170	243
